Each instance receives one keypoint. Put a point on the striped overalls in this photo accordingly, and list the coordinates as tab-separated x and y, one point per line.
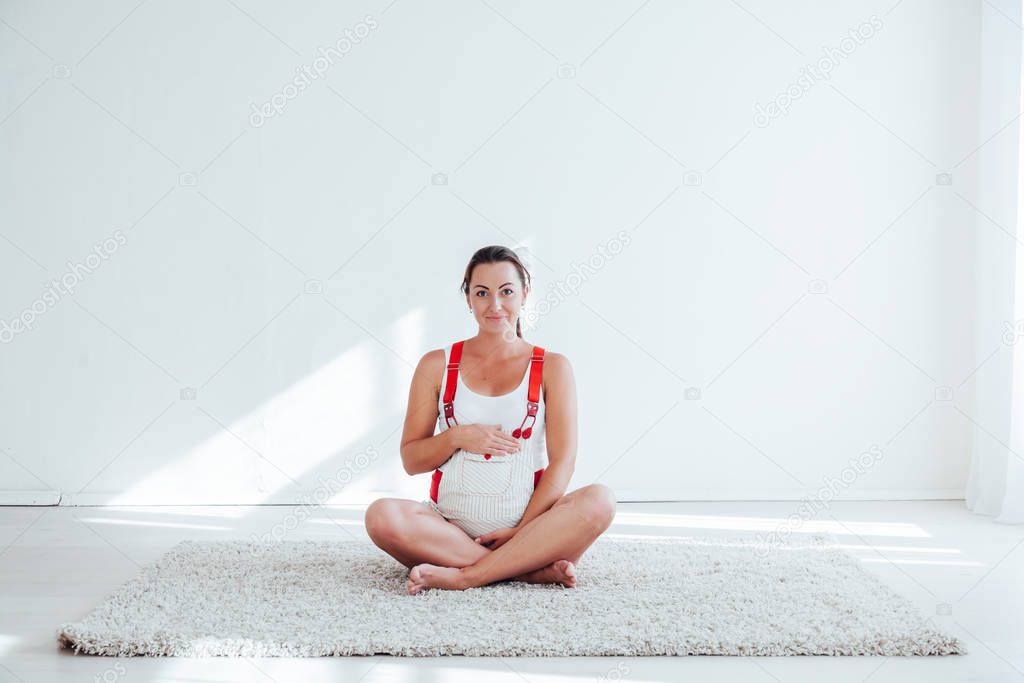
483	492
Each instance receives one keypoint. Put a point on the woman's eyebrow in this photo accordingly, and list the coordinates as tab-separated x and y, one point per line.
488	288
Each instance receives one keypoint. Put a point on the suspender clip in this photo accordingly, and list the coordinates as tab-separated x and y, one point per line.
531	414
449	414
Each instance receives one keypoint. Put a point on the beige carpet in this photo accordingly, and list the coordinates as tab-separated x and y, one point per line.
684	596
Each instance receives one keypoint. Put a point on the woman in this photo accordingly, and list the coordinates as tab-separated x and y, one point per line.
503	458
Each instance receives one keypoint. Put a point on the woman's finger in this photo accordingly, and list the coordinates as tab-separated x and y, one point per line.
507	439
499	446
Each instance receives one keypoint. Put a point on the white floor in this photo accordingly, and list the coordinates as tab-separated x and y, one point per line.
964	570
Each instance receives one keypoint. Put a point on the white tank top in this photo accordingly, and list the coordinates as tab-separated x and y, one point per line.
494	491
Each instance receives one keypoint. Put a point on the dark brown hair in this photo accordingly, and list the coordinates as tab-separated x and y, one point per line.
494	254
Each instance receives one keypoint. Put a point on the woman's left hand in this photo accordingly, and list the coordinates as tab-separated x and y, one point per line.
497	538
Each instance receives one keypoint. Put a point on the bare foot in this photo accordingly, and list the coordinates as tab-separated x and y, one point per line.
431	576
559	571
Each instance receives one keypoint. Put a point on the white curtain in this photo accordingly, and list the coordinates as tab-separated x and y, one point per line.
995	484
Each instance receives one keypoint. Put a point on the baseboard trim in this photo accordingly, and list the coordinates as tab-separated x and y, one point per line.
744	495
29	497
366	497
119	499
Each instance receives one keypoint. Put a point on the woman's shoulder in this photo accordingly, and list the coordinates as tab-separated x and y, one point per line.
556	365
558	378
432	364
553	357
434	358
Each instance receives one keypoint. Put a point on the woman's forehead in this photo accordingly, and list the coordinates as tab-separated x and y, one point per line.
495	273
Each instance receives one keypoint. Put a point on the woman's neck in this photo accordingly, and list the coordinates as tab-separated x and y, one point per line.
496	346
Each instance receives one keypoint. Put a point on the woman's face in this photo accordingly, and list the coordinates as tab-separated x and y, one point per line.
496	296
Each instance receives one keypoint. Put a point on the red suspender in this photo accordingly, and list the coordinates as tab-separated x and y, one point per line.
435	482
532	401
533	396
450	384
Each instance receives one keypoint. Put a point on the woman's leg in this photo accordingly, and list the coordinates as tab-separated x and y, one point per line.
565	530
414	534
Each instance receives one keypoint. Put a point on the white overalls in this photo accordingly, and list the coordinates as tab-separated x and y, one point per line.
483	492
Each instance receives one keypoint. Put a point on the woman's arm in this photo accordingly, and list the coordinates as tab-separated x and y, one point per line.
421	449
560	423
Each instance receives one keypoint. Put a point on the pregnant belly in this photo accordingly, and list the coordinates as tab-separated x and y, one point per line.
472	481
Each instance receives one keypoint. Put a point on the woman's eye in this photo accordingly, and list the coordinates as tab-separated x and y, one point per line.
509	290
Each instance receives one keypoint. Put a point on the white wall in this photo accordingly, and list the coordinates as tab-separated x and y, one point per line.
809	277
1000	306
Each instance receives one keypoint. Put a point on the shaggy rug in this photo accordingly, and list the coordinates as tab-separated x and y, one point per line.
685	596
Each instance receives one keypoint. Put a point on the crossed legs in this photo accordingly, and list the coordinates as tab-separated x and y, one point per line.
441	555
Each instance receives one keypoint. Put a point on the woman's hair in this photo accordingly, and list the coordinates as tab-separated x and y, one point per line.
495	254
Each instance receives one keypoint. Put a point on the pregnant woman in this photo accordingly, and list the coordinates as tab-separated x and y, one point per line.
502	460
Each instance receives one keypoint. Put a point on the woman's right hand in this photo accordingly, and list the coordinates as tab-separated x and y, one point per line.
478	438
